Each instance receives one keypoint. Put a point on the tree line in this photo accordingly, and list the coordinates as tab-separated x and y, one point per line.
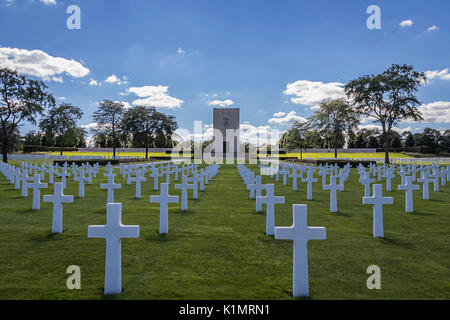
24	99
386	99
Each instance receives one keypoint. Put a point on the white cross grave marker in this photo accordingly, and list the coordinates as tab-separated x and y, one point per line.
184	186
301	234
270	200
113	232
333	187
425	180
139	178
110	186
366	181
378	201
58	198
259	187
36	186
155	176
164	199
309	179
408	187
81	179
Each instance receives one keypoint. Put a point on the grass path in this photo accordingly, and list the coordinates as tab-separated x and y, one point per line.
218	249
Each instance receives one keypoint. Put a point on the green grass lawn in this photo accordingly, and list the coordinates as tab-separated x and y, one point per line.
218	249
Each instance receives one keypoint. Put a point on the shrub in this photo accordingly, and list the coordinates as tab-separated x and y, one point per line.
30	149
340	163
101	162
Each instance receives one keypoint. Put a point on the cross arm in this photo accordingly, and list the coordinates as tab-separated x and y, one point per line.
96	231
129	231
284	233
317	233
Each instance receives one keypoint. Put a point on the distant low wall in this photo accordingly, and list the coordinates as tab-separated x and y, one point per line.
359	150
119	150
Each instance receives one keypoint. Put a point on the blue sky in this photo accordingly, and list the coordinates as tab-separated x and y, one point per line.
273	59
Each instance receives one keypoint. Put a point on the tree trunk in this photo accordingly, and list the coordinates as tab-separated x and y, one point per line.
146	145
114	147
386	148
5	150
301	153
335	148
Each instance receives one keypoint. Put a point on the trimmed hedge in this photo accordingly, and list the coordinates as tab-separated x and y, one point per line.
420	149
30	149
101	162
340	163
287	158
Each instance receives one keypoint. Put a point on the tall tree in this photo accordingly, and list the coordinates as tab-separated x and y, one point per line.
60	121
141	122
409	141
333	118
14	142
108	118
351	136
388	98
444	141
165	129
430	139
32	138
295	138
22	99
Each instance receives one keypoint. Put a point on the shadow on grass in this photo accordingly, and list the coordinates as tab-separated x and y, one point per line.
100	211
423	214
26	211
436	200
47	237
289	294
111	297
187	212
396	242
343	214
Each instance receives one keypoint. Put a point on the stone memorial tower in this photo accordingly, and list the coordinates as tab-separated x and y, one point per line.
226	131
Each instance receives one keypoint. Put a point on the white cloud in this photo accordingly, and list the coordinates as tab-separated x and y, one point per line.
442	74
221	103
255	135
259	135
380	128
94	83
406	23
311	93
288	120
156	96
49	2
433	28
40	64
58	79
114	79
279	114
180	51
126	105
89	126
436	112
